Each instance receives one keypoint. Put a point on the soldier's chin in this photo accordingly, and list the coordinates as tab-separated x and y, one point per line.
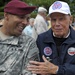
18	34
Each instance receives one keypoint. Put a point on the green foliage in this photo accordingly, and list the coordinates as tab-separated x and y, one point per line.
1	9
33	14
1	13
45	3
37	3
1	3
72	6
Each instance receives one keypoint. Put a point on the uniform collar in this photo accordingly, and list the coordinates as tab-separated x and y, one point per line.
11	40
8	39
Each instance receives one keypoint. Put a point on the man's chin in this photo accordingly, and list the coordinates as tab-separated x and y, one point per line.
58	35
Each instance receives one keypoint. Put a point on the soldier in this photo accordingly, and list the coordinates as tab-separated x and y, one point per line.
16	48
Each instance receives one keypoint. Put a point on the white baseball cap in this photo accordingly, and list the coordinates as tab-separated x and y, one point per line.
59	6
42	9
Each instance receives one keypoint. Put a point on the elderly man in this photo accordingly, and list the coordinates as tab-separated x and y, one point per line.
40	24
57	45
16	49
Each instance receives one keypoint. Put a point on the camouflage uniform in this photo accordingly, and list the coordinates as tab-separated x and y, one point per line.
15	53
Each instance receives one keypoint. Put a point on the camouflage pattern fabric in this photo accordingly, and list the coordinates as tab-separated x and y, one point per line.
15	54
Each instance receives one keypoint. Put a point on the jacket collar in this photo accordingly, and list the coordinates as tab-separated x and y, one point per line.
49	37
66	36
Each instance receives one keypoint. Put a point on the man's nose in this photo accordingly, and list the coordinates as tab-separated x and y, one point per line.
57	22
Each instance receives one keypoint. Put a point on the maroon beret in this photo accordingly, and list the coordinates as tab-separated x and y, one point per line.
17	7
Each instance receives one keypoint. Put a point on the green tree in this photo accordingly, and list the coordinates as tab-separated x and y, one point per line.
37	3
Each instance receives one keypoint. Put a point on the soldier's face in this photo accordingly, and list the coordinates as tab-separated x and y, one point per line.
16	24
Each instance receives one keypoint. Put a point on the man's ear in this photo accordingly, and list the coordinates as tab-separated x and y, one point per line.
6	15
71	19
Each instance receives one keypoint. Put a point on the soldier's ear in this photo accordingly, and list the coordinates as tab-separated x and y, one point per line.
6	16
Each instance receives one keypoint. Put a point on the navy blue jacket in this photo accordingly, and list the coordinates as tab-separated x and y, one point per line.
66	59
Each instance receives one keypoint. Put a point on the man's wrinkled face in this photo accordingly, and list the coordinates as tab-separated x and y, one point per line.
60	24
16	24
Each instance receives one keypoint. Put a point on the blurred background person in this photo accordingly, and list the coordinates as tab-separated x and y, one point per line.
73	23
48	21
1	21
28	29
40	24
